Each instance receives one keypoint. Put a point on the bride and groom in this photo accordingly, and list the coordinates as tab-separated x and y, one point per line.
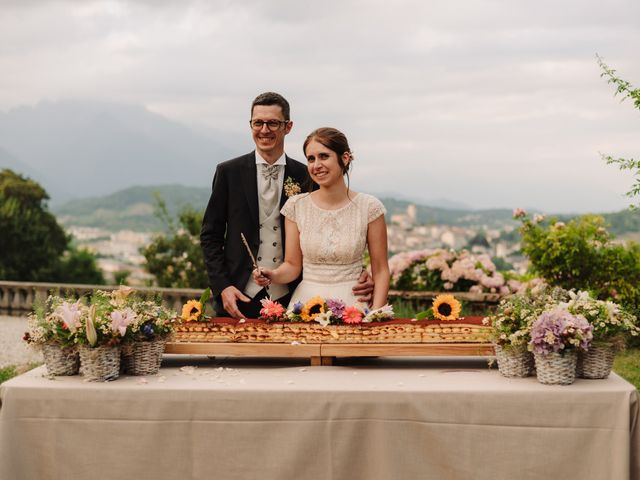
305	227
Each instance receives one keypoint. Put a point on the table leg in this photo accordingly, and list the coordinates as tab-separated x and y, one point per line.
327	361
315	361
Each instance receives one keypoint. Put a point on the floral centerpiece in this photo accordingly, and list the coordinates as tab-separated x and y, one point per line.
556	335
53	327
511	327
323	311
611	325
102	328
144	324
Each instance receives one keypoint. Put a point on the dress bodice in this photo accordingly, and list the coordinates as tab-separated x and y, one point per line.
332	241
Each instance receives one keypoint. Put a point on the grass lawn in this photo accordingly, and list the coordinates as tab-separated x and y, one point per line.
11	371
627	365
7	372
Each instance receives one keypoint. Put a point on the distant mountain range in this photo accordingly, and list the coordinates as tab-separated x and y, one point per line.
133	209
77	149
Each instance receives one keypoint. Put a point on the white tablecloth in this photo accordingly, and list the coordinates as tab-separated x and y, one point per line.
278	419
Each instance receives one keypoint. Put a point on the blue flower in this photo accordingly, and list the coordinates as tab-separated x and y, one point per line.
297	307
147	330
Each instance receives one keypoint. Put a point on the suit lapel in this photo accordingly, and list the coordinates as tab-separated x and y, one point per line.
250	185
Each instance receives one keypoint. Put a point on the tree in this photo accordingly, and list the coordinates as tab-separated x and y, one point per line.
31	240
627	90
78	266
581	255
34	246
175	259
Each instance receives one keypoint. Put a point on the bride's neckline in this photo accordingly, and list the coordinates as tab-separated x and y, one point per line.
354	195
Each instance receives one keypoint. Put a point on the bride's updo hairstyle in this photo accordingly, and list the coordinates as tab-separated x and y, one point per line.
335	141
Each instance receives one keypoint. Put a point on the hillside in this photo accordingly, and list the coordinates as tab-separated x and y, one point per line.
133	209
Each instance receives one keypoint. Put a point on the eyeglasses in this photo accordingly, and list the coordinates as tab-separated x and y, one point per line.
272	125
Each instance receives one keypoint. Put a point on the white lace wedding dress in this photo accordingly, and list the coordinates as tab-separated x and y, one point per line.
332	243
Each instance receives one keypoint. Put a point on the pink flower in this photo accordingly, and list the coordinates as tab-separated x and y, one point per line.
519	213
271	309
120	320
352	315
69	314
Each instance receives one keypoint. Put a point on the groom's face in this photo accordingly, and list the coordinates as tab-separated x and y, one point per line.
269	143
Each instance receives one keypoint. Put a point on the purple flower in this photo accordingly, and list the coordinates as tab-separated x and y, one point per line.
336	307
558	330
297	307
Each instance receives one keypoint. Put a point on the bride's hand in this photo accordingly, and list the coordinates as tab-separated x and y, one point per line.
262	276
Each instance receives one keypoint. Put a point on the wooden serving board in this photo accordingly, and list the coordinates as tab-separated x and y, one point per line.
324	354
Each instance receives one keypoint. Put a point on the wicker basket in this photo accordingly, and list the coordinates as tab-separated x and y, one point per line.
142	358
100	364
556	368
515	361
61	360
596	362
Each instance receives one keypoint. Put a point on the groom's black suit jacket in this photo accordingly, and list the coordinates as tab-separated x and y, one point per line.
233	209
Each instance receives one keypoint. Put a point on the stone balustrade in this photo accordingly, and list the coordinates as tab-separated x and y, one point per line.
18	298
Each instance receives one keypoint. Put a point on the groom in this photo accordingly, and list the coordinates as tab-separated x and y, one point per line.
246	198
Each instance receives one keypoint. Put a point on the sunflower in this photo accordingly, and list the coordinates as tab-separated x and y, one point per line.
446	307
312	309
191	311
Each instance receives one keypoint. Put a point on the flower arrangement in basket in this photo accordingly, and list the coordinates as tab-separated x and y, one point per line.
52	328
611	325
101	330
144	324
323	311
556	335
511	327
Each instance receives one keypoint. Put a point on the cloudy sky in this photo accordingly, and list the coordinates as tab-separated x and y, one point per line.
491	103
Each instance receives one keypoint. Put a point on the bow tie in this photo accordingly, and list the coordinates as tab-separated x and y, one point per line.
269	171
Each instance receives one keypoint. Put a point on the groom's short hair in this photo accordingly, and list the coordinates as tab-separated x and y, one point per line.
272	98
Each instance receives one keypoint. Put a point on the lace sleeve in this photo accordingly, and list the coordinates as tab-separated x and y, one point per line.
289	208
376	209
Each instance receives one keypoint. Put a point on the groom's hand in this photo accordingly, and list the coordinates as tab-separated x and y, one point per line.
230	297
364	288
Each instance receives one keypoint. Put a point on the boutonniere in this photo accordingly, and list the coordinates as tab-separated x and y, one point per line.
291	187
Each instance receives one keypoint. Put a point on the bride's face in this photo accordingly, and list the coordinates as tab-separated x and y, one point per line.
323	164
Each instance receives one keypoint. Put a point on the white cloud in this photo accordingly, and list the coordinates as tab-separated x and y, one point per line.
503	98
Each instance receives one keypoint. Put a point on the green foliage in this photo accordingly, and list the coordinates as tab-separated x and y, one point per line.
31	241
627	90
175	259
121	277
580	255
78	266
34	246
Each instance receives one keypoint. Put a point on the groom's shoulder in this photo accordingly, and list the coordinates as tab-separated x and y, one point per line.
237	162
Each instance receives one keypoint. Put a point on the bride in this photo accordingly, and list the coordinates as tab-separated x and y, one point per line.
327	231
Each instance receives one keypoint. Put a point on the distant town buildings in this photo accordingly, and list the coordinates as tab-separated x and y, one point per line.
120	251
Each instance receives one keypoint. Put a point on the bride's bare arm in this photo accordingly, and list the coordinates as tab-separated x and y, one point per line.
377	242
292	265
